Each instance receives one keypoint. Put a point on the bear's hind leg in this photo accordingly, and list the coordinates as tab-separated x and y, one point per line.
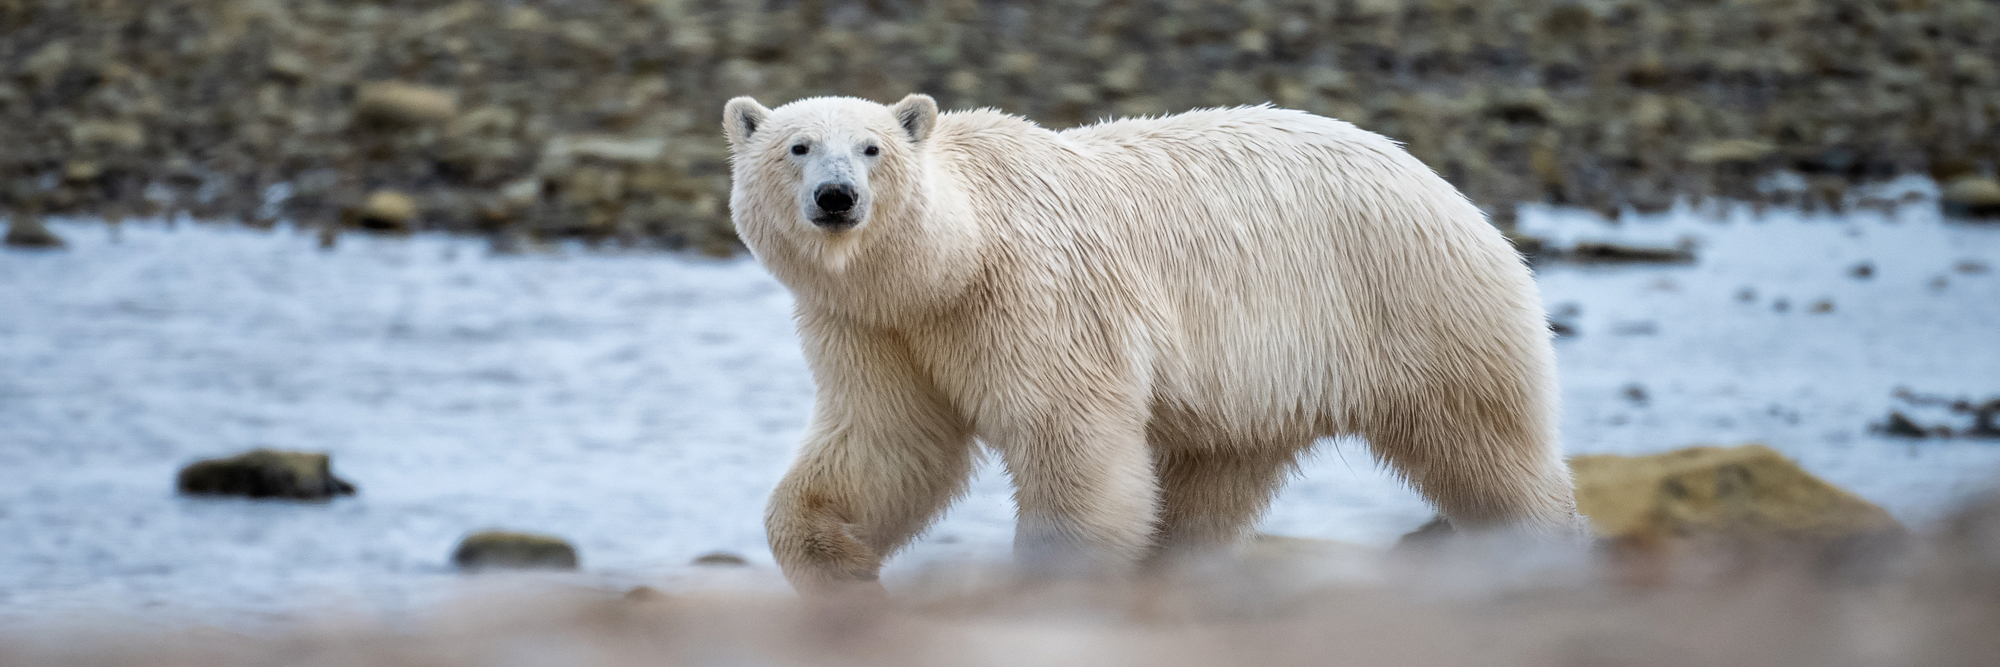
1211	496
1482	468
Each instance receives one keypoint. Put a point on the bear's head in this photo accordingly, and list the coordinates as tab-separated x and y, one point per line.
832	161
841	198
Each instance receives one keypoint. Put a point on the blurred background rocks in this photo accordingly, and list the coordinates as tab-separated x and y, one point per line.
596	119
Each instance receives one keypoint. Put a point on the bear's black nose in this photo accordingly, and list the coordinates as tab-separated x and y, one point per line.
834	197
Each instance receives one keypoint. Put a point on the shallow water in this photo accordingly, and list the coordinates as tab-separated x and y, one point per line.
642	405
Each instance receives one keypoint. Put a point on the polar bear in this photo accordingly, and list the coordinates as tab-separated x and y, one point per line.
1148	320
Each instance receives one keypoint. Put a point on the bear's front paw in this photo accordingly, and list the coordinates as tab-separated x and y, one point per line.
823	555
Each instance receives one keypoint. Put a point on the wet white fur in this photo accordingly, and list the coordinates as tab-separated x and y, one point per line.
1148	320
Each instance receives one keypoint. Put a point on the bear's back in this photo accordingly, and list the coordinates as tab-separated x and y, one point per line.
1305	236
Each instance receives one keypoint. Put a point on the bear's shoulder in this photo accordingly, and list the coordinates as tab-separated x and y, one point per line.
972	124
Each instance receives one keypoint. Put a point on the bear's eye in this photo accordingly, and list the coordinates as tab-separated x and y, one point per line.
871	151
799	149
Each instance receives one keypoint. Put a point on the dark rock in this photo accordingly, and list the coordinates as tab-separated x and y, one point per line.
1972	197
1613	253
1985	418
265	473
28	232
513	550
721	559
1901	426
1562	329
1862	271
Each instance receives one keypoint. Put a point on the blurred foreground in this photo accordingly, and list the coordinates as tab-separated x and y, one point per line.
1930	602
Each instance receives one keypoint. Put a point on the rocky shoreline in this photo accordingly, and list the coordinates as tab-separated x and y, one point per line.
596	119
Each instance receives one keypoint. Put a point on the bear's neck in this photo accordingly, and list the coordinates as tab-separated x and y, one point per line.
916	259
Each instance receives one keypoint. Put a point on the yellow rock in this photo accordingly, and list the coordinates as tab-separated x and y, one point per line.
398	103
1730	150
1972	196
108	134
386	209
1747	491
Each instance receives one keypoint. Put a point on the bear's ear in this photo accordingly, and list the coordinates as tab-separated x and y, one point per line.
740	119
917	114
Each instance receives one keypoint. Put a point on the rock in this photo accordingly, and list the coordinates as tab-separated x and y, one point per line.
466	96
1745	492
1972	197
1614	253
1522	106
27	231
563	150
289	65
386	210
644	594
720	559
398	104
1862	271
520	193
513	550
81	171
265	473
1985	419
1741	151
107	134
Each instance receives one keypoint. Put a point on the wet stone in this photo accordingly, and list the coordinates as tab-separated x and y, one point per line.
1614	253
265	473
720	559
29	232
1972	197
500	549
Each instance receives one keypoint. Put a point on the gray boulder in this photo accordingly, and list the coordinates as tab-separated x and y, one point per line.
513	550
